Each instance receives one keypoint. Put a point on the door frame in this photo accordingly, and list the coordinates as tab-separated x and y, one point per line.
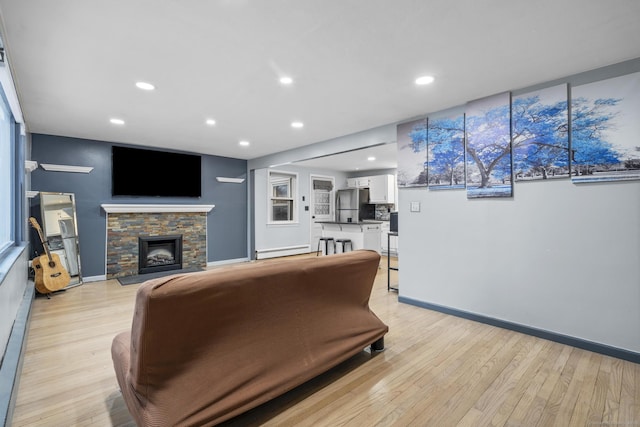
313	245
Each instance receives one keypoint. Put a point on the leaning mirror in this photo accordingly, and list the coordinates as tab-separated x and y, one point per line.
60	229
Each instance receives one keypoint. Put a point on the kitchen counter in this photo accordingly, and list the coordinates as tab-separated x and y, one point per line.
363	234
366	221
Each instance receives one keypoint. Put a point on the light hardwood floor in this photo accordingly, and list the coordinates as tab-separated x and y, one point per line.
437	370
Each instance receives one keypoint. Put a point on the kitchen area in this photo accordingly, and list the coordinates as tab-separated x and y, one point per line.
363	210
308	202
311	198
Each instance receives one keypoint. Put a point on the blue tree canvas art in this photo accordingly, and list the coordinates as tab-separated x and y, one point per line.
488	139
540	134
445	150
605	130
412	153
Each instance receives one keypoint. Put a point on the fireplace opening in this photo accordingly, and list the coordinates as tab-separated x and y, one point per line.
159	253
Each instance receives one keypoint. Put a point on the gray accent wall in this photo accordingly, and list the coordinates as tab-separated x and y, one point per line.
226	223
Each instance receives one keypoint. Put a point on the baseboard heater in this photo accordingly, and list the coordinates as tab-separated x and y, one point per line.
277	252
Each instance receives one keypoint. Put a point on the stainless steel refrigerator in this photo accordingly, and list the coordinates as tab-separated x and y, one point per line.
352	205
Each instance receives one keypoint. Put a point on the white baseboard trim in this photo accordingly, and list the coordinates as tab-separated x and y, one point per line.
227	261
94	278
286	251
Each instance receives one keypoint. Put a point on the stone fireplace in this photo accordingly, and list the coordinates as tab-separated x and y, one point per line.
159	225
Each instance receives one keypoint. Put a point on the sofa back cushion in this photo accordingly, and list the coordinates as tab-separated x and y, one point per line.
252	329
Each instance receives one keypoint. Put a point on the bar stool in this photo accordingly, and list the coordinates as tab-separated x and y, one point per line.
343	243
326	241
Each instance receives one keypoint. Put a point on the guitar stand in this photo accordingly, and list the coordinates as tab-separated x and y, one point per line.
48	294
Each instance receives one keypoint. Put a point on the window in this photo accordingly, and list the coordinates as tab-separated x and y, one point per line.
322	197
6	177
282	197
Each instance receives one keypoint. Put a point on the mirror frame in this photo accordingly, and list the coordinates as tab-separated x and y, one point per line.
73	240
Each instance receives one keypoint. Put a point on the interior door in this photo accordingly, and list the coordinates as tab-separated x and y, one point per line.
321	204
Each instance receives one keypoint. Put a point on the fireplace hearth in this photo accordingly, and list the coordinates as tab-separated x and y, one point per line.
159	253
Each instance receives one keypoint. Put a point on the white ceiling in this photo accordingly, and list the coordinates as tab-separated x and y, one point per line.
75	63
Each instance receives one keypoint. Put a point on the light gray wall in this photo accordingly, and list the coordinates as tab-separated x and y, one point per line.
13	264
13	283
269	236
560	257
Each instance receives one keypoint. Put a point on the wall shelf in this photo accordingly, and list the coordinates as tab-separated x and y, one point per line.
231	180
30	165
66	168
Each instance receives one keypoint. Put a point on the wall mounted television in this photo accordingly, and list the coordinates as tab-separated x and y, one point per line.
140	172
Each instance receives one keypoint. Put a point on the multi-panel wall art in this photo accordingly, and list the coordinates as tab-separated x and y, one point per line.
605	130
445	150
540	134
487	144
488	136
412	153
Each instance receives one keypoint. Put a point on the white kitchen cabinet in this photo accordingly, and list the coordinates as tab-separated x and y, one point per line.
384	229
371	237
382	189
360	182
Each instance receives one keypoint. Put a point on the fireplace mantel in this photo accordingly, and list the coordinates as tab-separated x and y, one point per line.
148	208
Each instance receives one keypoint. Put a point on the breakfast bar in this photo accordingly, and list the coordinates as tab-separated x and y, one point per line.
363	234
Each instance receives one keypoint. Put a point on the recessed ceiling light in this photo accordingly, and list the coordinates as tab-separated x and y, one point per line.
145	86
244	143
117	121
371	158
424	80
297	125
210	122
286	80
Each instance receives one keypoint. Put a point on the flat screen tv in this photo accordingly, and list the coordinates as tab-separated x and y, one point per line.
139	172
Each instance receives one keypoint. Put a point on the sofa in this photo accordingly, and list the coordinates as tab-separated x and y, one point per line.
207	346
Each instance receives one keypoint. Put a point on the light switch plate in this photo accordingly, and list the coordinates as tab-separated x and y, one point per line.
415	207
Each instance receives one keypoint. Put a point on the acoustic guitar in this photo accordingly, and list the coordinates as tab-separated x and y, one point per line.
51	276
